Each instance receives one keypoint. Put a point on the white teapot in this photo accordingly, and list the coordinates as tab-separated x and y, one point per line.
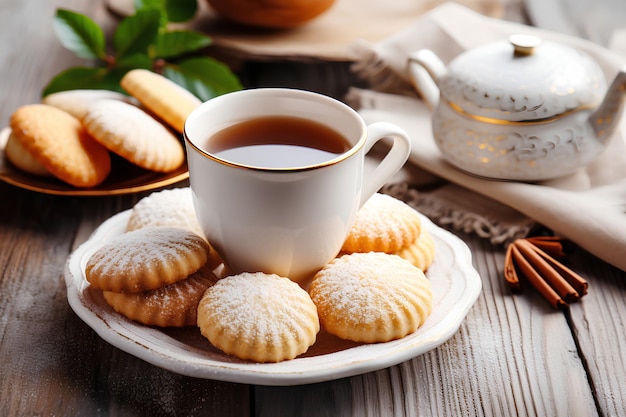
522	109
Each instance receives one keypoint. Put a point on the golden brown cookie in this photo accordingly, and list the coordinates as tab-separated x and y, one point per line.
175	305
420	253
20	157
58	141
169	208
76	102
134	135
383	224
146	259
163	97
371	297
259	317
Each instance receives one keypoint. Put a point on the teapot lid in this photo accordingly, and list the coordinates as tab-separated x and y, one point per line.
522	79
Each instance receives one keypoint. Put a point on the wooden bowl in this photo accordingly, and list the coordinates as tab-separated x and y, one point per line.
276	14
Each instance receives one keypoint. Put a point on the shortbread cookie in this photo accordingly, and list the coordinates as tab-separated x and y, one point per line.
163	97
134	135
20	157
169	208
76	102
371	297
175	305
383	224
57	141
146	259
259	317
421	253
172	207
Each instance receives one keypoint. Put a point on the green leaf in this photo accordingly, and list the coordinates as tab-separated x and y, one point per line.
134	61
179	42
84	78
180	10
79	34
176	10
205	77
136	33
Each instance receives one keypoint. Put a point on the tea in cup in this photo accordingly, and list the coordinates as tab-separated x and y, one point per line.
277	176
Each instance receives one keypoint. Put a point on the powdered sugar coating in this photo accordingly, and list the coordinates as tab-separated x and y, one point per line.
259	317
173	305
383	224
146	259
134	135
371	297
165	208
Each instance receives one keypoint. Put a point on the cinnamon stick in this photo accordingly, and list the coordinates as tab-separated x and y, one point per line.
545	270
575	280
535	279
510	273
552	245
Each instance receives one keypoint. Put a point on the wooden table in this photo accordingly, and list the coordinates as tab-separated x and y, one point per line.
513	355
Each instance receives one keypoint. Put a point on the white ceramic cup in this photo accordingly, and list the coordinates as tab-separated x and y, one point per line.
288	221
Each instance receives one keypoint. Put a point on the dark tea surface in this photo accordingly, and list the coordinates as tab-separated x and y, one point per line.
277	142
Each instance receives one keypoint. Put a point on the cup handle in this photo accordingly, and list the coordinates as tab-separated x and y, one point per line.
393	160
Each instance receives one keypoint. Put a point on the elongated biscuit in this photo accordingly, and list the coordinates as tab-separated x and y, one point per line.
163	97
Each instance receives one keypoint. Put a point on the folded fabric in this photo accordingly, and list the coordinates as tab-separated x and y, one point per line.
588	207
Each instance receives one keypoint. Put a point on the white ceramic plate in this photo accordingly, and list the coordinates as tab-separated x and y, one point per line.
456	286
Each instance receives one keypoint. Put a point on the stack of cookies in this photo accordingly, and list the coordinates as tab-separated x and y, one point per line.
71	134
163	272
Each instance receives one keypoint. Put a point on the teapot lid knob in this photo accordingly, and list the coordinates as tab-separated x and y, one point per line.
524	44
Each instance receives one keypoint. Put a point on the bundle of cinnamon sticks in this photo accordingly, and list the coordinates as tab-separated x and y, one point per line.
536	260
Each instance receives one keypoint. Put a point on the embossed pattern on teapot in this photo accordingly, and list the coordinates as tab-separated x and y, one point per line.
519	110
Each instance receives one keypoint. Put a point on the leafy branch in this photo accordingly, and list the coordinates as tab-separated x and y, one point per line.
142	40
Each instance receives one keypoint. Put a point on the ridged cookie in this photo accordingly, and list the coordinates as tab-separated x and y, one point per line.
173	207
258	317
383	224
169	208
134	135
163	97
146	259
420	253
58	141
174	305
371	297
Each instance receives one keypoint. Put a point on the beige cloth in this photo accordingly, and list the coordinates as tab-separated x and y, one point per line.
589	207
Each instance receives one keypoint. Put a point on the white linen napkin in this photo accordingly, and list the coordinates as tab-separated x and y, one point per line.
588	207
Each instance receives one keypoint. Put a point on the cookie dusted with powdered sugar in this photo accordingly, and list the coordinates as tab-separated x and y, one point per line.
371	297
383	224
258	317
173	208
146	259
134	135
174	305
169	208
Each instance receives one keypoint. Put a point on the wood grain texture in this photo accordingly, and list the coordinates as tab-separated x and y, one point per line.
513	355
